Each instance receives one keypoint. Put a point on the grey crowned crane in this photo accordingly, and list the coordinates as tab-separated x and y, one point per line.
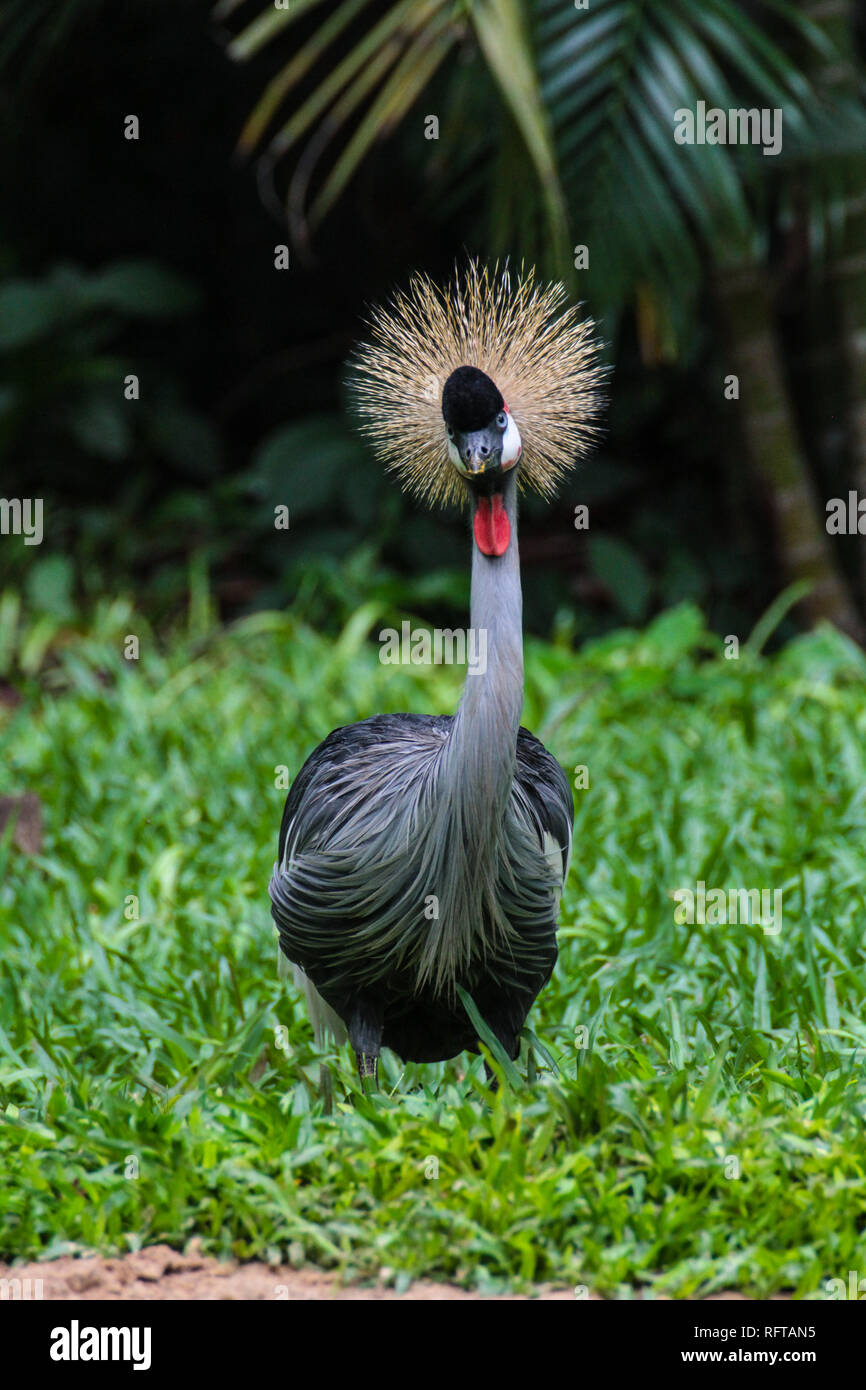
422	854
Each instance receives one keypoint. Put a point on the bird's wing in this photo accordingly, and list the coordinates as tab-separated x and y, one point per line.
319	793
547	792
343	875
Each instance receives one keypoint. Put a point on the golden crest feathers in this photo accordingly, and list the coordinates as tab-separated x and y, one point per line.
527	339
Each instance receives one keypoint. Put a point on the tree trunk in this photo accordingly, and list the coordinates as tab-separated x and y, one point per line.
771	439
845	281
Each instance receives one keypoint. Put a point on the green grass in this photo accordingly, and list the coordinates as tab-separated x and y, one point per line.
709	1050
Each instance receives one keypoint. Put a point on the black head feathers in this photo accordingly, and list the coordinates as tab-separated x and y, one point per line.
470	399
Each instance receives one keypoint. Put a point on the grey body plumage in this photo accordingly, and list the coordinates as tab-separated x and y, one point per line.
354	918
421	854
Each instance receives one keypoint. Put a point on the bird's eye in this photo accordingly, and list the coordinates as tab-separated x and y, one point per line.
449	431
502	419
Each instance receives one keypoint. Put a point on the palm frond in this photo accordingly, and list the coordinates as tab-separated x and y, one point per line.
391	64
572	115
614	77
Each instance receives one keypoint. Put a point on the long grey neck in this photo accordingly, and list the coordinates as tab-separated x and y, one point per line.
480	766
475	772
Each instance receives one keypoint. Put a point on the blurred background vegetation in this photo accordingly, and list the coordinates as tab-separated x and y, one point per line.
261	125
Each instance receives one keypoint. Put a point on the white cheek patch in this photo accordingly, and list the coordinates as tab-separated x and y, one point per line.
454	456
511	445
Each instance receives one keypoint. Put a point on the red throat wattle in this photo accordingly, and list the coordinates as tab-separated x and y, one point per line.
491	526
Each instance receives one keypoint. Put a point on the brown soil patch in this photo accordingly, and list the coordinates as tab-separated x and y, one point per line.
161	1273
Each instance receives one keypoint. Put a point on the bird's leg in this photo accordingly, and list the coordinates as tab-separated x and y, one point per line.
365	1023
368	1068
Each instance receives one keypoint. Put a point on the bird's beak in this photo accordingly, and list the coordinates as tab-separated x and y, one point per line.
478	451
